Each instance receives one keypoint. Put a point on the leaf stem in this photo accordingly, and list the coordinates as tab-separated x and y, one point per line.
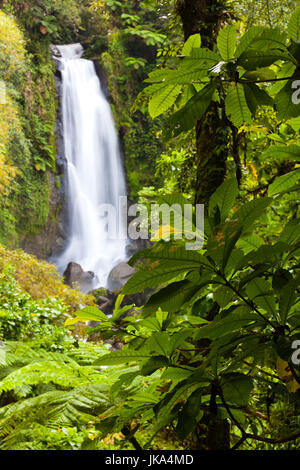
241	80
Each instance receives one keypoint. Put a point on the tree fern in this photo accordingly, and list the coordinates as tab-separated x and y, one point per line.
50	389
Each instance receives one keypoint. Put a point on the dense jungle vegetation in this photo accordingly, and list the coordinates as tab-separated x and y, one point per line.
206	100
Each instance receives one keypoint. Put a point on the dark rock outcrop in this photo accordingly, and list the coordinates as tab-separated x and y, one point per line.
74	276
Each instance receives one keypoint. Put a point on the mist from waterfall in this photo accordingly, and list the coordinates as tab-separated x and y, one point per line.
94	170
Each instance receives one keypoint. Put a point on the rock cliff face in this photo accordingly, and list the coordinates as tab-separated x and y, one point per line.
51	239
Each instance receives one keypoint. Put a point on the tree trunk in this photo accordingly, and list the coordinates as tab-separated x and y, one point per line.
212	131
212	151
212	140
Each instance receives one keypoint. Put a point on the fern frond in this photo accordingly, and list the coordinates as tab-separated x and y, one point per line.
56	409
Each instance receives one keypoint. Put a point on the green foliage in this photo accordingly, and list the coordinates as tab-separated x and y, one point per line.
162	102
226	41
214	341
259	48
41	279
273	13
49	20
218	326
58	400
236	106
21	317
193	42
249	97
47	388
254	323
26	133
50	395
177	167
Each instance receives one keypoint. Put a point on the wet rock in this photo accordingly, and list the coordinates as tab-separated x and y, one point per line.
55	51
75	275
119	276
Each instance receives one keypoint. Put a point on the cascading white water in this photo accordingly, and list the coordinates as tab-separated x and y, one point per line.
94	170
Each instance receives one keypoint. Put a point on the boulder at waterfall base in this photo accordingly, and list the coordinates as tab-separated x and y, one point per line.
119	275
75	275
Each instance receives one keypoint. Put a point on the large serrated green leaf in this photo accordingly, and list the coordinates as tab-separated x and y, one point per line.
170	251
87	314
250	243
121	357
295	123
162	100
291	232
270	39
185	74
251	211
200	60
284	182
193	41
240	318
203	55
260	74
179	394
226	41
190	415
224	197
260	291
172	297
284	102
287	299
236	388
256	97
160	342
180	218
162	272
2	355
186	118
287	152
228	253
167	264
248	38
236	106
254	59
176	374
287	70
223	296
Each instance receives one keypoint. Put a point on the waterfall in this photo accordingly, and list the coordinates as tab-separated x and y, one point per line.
94	171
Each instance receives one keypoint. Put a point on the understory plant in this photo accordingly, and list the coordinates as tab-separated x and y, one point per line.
220	334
